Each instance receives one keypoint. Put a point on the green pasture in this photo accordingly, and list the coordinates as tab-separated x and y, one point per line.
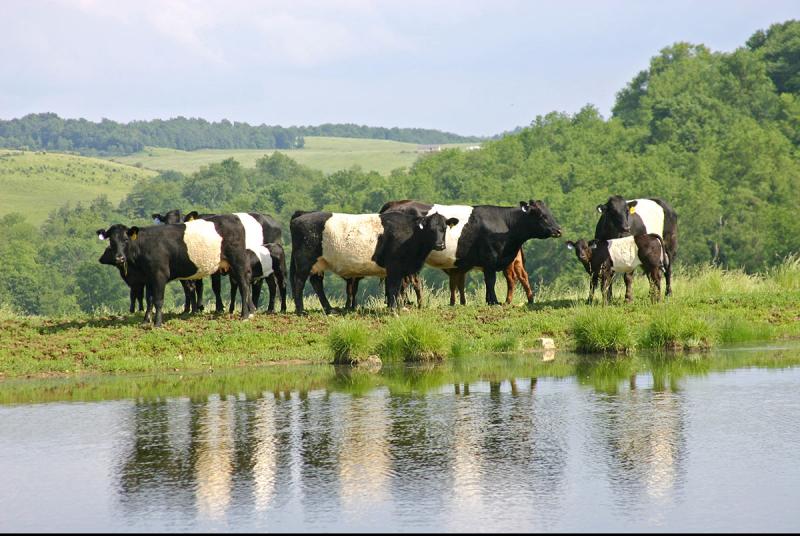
35	183
324	153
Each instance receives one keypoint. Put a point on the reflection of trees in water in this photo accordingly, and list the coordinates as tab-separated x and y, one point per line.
640	434
364	464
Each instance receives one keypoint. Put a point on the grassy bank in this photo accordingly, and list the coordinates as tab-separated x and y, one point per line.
710	307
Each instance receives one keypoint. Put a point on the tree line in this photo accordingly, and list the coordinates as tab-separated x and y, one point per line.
715	134
48	131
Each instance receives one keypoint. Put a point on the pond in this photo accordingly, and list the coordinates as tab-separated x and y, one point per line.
703	442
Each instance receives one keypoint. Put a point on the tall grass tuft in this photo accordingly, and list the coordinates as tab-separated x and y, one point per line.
602	329
733	328
677	329
413	339
786	275
349	342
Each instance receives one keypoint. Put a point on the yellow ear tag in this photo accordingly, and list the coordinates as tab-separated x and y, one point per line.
633	210
134	236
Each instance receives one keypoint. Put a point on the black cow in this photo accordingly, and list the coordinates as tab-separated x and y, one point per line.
487	237
270	233
275	277
192	290
603	258
392	245
189	250
621	218
131	276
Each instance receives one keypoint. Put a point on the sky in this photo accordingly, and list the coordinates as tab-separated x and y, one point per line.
469	67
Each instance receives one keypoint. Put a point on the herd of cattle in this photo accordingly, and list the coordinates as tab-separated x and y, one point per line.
393	244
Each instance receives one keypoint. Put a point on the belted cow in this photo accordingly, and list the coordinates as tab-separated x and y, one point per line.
392	245
621	218
603	258
487	238
190	250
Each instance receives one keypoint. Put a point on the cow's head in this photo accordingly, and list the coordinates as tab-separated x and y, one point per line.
119	238
173	216
538	221
583	250
434	227
618	213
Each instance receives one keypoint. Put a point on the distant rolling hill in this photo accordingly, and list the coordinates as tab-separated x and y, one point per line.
325	153
35	183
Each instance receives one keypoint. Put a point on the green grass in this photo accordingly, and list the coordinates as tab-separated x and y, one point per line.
324	153
349	341
757	308
35	183
413	339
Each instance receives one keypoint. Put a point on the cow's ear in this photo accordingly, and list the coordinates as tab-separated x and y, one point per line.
600	208
632	206
593	244
133	232
193	215
570	244
101	234
452	222
420	222
524	206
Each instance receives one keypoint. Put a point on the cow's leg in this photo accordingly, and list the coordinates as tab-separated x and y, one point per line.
348	292
319	288
654	275
159	284
271	287
605	282
353	298
522	275
216	287
281	280
258	284
140	298
592	287
240	272
234	288
461	281
453	280
393	285
417	289
511	282
198	295
132	295
668	276
298	279
489	278
188	297
628	286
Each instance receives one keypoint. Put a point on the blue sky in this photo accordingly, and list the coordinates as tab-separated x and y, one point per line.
471	67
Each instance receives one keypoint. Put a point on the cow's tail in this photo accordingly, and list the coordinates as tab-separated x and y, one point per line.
664	255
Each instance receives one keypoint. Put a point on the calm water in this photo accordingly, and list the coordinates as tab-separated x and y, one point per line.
702	443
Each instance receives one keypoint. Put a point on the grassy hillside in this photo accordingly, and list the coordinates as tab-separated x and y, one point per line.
35	183
324	153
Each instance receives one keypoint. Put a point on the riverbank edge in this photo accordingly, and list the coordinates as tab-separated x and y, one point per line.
34	347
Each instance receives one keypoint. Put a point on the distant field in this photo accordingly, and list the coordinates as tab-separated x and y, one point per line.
35	183
324	153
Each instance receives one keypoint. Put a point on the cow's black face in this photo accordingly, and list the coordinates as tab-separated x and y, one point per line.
582	251
617	212
434	228
119	237
539	221
173	216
